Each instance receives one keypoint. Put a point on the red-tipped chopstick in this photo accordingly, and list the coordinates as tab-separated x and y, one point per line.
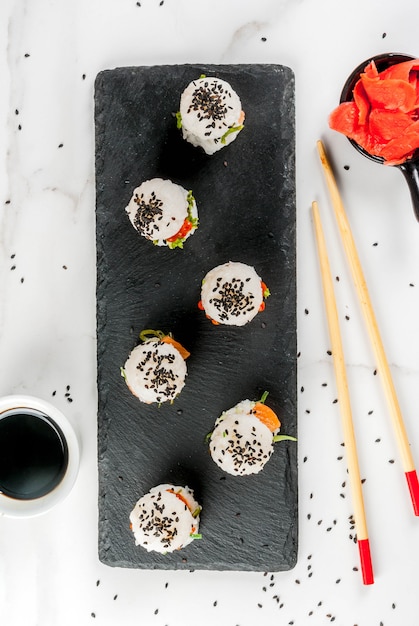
372	327
344	404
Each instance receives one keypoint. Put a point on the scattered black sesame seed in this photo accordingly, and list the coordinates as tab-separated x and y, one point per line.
263	38
391	461
306	311
161	3
22	280
27	55
215	603
375	244
7	202
156	611
97	583
93	615
329	352
60	145
115	596
384	35
346	167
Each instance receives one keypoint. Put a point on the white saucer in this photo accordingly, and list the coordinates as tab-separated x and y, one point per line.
11	507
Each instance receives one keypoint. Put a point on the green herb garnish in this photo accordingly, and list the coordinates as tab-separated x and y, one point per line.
233	129
178	119
197	511
264	396
282	438
149	332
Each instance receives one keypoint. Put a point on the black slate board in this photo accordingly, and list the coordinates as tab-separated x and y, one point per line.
246	202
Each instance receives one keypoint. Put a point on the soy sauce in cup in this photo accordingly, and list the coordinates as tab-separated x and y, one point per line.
33	454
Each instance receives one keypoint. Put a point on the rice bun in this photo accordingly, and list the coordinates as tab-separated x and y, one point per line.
210	114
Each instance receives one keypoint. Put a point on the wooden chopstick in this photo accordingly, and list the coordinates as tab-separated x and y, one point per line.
373	331
344	403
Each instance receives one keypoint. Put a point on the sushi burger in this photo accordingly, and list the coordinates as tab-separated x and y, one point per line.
232	294
165	519
155	370
163	212
210	114
242	440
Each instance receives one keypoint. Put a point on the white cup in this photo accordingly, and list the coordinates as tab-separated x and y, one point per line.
55	428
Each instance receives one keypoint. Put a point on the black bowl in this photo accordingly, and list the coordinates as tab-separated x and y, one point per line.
410	167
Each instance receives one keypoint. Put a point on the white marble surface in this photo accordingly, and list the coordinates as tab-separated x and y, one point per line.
50	53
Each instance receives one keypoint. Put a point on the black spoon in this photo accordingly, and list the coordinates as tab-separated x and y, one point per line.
410	167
